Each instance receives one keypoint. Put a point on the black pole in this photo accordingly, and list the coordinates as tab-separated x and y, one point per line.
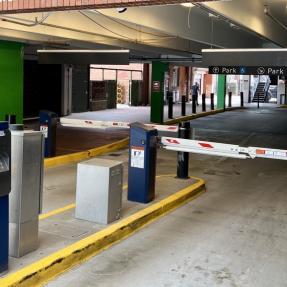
258	102
229	99
183	105
170	105
184	132
203	102
212	101
194	104
241	99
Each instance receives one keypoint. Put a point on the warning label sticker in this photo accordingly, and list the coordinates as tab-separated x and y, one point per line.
44	129
137	157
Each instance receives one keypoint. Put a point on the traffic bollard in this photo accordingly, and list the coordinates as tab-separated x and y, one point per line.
170	105
203	102
183	105
229	99
241	99
212	101
194	104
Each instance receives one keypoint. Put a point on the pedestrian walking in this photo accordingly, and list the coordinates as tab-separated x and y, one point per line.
195	90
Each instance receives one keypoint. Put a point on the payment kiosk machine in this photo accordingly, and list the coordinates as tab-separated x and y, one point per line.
5	188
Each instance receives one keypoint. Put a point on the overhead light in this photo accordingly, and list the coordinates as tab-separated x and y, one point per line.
189	5
122	9
240	50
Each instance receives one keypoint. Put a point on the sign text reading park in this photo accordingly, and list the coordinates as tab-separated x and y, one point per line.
229	70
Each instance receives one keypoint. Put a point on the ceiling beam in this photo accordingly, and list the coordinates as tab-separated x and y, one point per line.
28	6
73	29
189	23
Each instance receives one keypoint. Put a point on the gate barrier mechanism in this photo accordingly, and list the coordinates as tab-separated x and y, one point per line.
142	154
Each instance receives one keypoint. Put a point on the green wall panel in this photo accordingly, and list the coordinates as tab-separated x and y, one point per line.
157	97
11	80
221	90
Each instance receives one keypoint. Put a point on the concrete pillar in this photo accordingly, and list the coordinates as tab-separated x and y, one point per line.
145	85
157	92
221	91
11	80
66	89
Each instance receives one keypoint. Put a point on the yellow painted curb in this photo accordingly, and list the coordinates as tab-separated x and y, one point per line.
39	273
200	115
283	106
79	156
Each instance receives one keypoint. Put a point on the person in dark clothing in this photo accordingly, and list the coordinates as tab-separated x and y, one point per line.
195	90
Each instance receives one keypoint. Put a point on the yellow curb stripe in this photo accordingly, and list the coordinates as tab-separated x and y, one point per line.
46	269
79	156
57	211
73	205
200	115
62	209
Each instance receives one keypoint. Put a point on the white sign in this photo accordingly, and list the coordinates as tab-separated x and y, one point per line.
137	157
44	129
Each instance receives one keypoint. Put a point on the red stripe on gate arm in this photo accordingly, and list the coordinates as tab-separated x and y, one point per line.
172	128
206	145
172	141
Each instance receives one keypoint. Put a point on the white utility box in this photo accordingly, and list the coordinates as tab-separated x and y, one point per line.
99	190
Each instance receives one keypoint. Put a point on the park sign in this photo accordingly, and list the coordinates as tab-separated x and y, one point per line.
254	70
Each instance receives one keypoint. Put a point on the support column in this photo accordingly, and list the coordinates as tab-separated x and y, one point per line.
11	80
157	92
145	85
221	91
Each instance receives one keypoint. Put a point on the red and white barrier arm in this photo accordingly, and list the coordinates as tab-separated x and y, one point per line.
220	149
92	124
109	124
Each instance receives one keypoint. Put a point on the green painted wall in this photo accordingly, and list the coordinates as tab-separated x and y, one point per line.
11	80
157	97
221	90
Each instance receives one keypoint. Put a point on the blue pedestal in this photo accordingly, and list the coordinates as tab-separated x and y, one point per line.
4	232
142	163
48	124
5	188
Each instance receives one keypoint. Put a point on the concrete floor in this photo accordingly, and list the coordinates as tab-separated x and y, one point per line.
233	235
142	114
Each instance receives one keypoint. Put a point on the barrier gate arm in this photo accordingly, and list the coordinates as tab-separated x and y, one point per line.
109	124
220	149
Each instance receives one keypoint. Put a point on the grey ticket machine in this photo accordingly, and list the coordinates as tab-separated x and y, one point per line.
27	158
5	188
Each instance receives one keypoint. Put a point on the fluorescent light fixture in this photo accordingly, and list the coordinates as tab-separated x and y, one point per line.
243	50
83	51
